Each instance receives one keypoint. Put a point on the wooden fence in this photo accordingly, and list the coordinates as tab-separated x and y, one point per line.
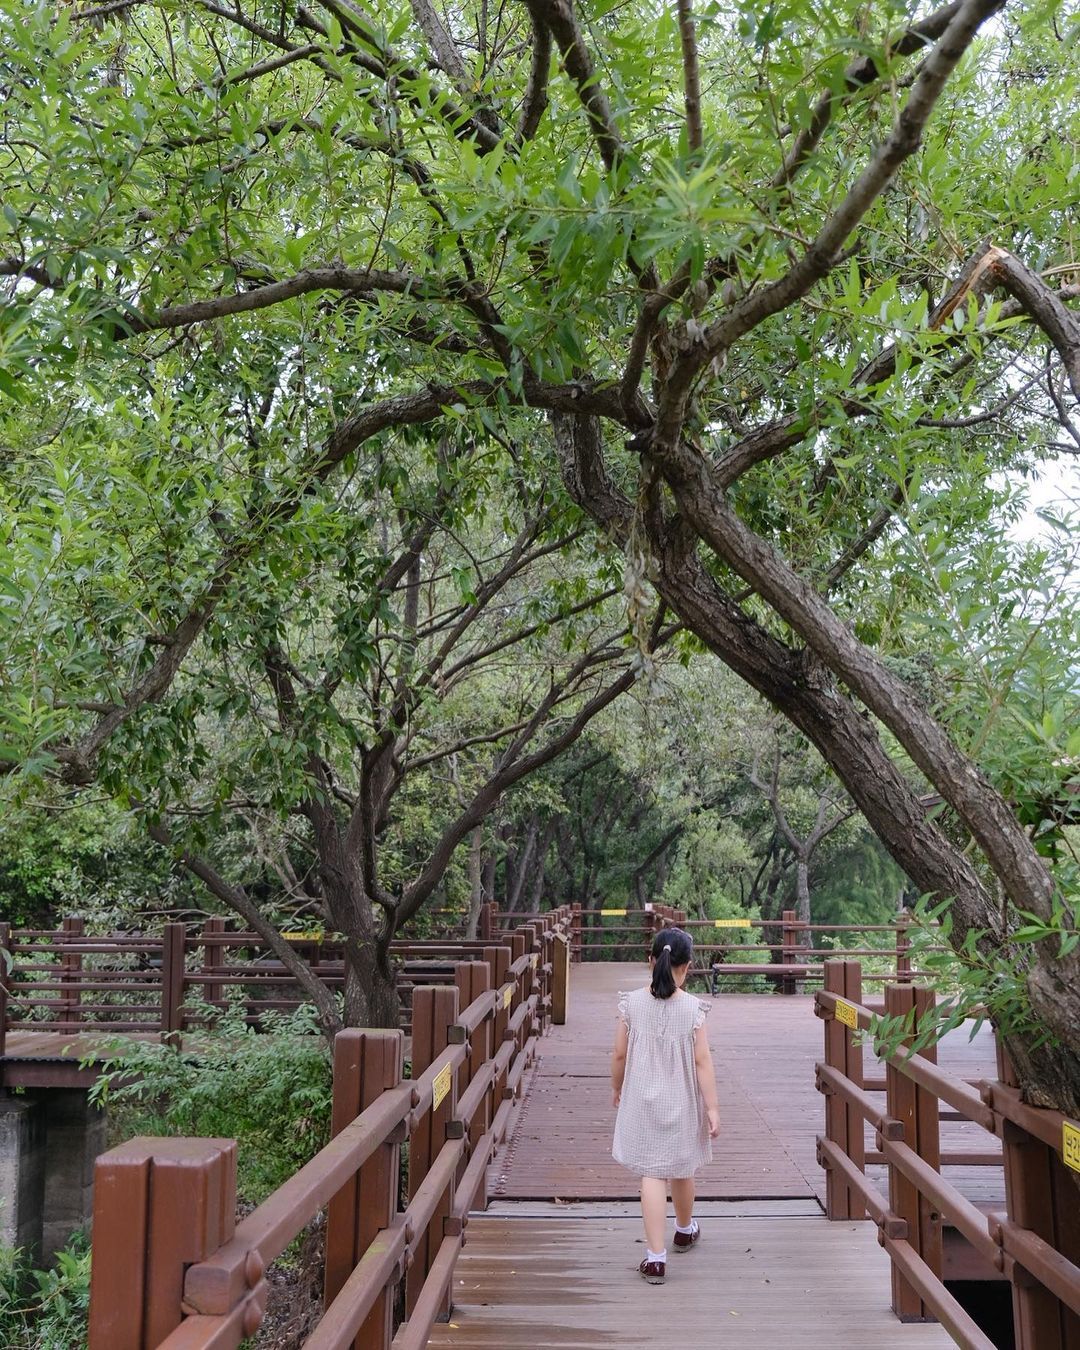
172	1270
788	963
69	981
1035	1243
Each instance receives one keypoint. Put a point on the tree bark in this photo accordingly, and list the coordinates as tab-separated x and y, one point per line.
476	882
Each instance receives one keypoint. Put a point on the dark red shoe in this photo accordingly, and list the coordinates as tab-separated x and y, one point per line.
684	1241
652	1272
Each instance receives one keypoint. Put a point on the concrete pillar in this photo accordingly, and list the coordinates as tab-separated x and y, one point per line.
74	1136
22	1172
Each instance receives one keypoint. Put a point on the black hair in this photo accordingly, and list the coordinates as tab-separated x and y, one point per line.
671	947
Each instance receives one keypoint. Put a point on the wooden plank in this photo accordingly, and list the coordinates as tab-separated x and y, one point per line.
751	1284
764	1048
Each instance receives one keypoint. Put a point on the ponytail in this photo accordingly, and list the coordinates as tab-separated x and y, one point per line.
671	947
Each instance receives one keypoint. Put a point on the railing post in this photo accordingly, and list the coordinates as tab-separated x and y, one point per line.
917	1110
366	1063
843	1123
1040	1196
485	930
172	982
7	966
159	1206
473	978
903	947
71	971
789	939
213	959
576	950
560	983
435	1010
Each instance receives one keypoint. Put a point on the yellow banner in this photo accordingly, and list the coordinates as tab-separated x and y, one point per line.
441	1086
847	1013
303	937
508	994
620	912
1070	1145
731	923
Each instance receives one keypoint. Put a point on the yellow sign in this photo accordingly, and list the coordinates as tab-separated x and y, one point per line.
1070	1145
846	1013
508	994
302	937
621	912
534	959
441	1086
731	923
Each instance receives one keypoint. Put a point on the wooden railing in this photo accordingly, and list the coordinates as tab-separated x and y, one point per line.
1035	1243
172	1270
70	981
790	962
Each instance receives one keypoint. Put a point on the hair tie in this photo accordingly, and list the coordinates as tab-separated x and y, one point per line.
667	948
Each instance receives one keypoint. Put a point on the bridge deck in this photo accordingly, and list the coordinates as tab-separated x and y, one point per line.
764	1047
553	1261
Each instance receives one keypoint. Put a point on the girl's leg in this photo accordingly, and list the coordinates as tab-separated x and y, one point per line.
682	1192
654	1211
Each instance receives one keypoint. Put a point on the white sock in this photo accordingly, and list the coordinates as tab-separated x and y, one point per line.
655	1256
691	1229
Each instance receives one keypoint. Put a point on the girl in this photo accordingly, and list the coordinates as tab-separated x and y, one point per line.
664	1087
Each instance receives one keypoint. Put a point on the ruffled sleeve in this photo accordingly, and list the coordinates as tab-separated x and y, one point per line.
624	1005
703	1010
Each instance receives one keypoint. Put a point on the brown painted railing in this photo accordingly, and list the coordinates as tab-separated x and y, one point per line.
792	961
1035	1243
70	981
172	1270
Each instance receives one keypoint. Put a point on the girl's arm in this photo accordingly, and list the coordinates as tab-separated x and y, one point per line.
618	1062
706	1078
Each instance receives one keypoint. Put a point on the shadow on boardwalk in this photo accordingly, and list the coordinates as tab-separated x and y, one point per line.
553	1261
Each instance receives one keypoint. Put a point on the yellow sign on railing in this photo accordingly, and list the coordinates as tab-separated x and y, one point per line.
847	1013
1070	1145
731	923
508	994
620	912
303	937
441	1086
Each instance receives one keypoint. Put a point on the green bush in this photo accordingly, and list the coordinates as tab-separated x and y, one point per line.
45	1309
270	1090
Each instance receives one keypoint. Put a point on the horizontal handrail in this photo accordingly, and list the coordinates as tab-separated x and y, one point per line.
487	1046
907	1136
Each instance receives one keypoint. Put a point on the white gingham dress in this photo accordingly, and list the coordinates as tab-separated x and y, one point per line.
661	1129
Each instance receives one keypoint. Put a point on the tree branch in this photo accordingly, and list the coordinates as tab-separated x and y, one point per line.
821	256
237	899
535	101
861	72
691	75
558	16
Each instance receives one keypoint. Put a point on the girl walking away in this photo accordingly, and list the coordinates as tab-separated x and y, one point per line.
664	1087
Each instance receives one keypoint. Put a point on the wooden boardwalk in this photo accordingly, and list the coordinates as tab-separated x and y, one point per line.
552	1263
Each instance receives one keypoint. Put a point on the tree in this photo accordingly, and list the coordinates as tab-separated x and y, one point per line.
828	814
760	331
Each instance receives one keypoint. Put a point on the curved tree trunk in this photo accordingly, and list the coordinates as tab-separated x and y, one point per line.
802	686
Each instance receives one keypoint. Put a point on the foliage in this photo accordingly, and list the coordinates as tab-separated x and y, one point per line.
270	1090
45	1309
329	312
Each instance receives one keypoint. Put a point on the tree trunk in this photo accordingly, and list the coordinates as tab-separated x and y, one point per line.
804	688
802	895
371	997
476	882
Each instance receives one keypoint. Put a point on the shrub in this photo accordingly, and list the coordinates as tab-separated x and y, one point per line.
269	1090
45	1309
